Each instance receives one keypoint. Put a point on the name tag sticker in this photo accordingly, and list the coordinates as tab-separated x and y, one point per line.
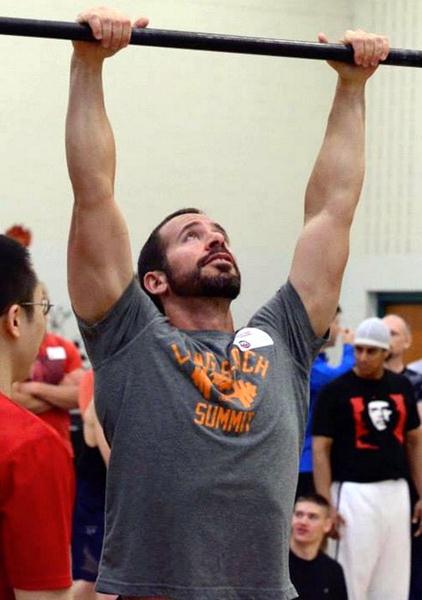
251	337
56	353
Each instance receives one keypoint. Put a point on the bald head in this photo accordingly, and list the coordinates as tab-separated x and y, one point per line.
401	338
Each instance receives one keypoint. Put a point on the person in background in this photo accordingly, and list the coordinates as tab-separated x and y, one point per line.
401	340
367	438
52	389
88	519
315	575
321	374
36	472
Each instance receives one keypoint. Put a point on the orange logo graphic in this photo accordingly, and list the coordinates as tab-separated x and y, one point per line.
221	381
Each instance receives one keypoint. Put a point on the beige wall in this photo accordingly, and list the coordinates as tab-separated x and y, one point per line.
234	135
387	240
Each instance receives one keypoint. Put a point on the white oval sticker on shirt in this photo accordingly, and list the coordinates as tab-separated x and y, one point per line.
56	353
251	337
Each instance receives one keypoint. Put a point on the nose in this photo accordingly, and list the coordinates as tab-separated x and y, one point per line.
216	238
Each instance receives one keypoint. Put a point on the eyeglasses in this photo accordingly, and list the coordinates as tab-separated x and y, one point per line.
45	304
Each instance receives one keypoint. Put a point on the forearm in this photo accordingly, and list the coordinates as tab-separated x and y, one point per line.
31	403
90	144
43	595
102	444
336	181
322	474
59	396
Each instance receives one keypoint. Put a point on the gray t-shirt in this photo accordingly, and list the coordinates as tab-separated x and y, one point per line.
206	429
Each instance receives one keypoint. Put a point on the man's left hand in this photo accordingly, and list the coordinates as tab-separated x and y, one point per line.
369	50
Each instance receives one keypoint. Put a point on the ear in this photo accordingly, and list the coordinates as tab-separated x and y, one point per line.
328	524
12	321
156	282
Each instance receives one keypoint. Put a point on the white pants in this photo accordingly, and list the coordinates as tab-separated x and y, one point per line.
374	548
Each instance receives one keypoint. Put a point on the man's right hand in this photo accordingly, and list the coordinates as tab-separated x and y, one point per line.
337	523
110	28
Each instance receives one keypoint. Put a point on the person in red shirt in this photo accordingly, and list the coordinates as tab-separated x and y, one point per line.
53	388
36	475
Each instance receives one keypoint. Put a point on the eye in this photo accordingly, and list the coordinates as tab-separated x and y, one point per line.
191	235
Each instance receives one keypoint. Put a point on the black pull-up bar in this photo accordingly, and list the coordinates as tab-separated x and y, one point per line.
204	41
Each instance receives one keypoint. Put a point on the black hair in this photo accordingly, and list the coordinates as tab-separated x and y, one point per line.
153	253
315	498
17	276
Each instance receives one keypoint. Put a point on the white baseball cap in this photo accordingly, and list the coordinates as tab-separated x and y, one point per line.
373	332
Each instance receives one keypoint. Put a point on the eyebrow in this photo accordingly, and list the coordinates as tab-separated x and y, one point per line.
216	226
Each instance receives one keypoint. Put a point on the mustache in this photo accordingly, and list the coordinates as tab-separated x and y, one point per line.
213	252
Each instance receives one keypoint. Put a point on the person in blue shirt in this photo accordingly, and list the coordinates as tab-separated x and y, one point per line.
321	374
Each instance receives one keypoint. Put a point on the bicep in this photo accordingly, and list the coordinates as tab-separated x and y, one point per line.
318	265
99	259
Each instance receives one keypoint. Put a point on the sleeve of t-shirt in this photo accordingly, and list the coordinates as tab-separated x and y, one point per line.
418	389
36	522
86	390
132	313
286	316
323	419
413	421
322	372
73	357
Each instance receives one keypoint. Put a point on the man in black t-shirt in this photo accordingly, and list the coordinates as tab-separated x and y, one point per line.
315	575
367	437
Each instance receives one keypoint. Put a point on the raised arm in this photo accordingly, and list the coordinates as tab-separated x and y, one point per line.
44	595
335	184
99	256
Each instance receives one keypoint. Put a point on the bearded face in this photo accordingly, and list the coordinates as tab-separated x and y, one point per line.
214	276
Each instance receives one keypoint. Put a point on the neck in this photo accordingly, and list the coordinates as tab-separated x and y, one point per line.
306	551
374	375
6	378
395	363
199	314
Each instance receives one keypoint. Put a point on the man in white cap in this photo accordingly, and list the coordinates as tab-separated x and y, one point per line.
367	437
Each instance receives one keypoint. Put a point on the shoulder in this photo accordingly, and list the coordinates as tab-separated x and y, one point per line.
399	380
347	379
324	559
25	432
414	377
329	564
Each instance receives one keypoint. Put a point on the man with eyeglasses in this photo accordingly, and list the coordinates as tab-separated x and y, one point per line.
52	390
36	475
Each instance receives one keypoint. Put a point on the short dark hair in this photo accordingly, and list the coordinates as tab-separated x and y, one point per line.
315	498
153	253
17	276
